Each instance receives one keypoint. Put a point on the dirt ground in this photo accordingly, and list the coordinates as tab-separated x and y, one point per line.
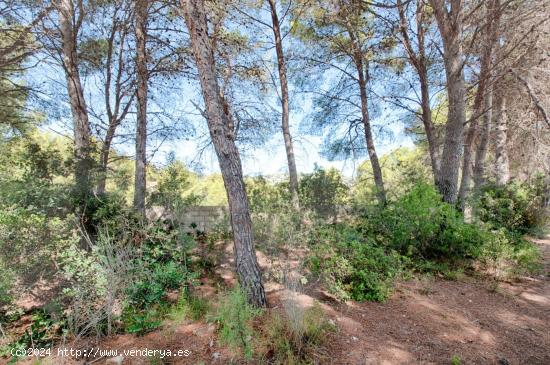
427	321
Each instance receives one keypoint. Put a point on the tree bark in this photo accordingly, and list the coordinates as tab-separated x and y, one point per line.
104	159
418	61
362	77
482	101
481	151
502	169
292	172
81	126
223	139
141	119
373	156
450	26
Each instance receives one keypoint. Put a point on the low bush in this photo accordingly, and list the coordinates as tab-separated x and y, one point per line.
517	207
140	322
234	317
421	226
353	266
283	341
189	306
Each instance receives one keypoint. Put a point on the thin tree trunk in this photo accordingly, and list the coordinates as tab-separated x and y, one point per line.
482	100
481	152
362	77
223	139
418	61
450	26
81	125
502	168
104	159
292	172
373	157
141	119
467	163
427	121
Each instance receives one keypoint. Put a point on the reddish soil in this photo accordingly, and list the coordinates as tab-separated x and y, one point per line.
427	321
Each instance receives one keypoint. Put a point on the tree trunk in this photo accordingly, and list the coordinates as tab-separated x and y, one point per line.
362	76
427	121
377	171
502	168
450	26
292	172
104	157
418	61
223	139
483	101
141	119
81	125
481	152
467	163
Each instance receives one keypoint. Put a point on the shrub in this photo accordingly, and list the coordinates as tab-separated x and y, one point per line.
141	322
517	207
323	191
420	225
234	317
354	267
189	306
286	341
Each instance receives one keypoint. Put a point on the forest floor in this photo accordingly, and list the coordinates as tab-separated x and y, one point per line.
428	320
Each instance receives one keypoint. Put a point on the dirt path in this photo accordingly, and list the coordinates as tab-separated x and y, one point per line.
427	321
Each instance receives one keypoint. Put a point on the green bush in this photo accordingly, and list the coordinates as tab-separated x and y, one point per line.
323	191
234	316
353	266
421	226
517	207
140	322
152	287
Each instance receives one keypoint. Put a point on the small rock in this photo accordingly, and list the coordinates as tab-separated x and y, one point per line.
353	338
118	360
216	355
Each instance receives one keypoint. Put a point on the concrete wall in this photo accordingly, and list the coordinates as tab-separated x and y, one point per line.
202	218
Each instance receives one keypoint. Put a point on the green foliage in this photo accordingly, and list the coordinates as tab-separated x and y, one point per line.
144	293
152	287
353	266
6	296
234	317
402	169
189	306
42	333
29	241
283	342
323	191
265	196
173	188
34	174
517	207
140	322
455	360
420	225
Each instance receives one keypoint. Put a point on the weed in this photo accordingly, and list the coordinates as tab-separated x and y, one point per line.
455	360
285	341
140	322
234	317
